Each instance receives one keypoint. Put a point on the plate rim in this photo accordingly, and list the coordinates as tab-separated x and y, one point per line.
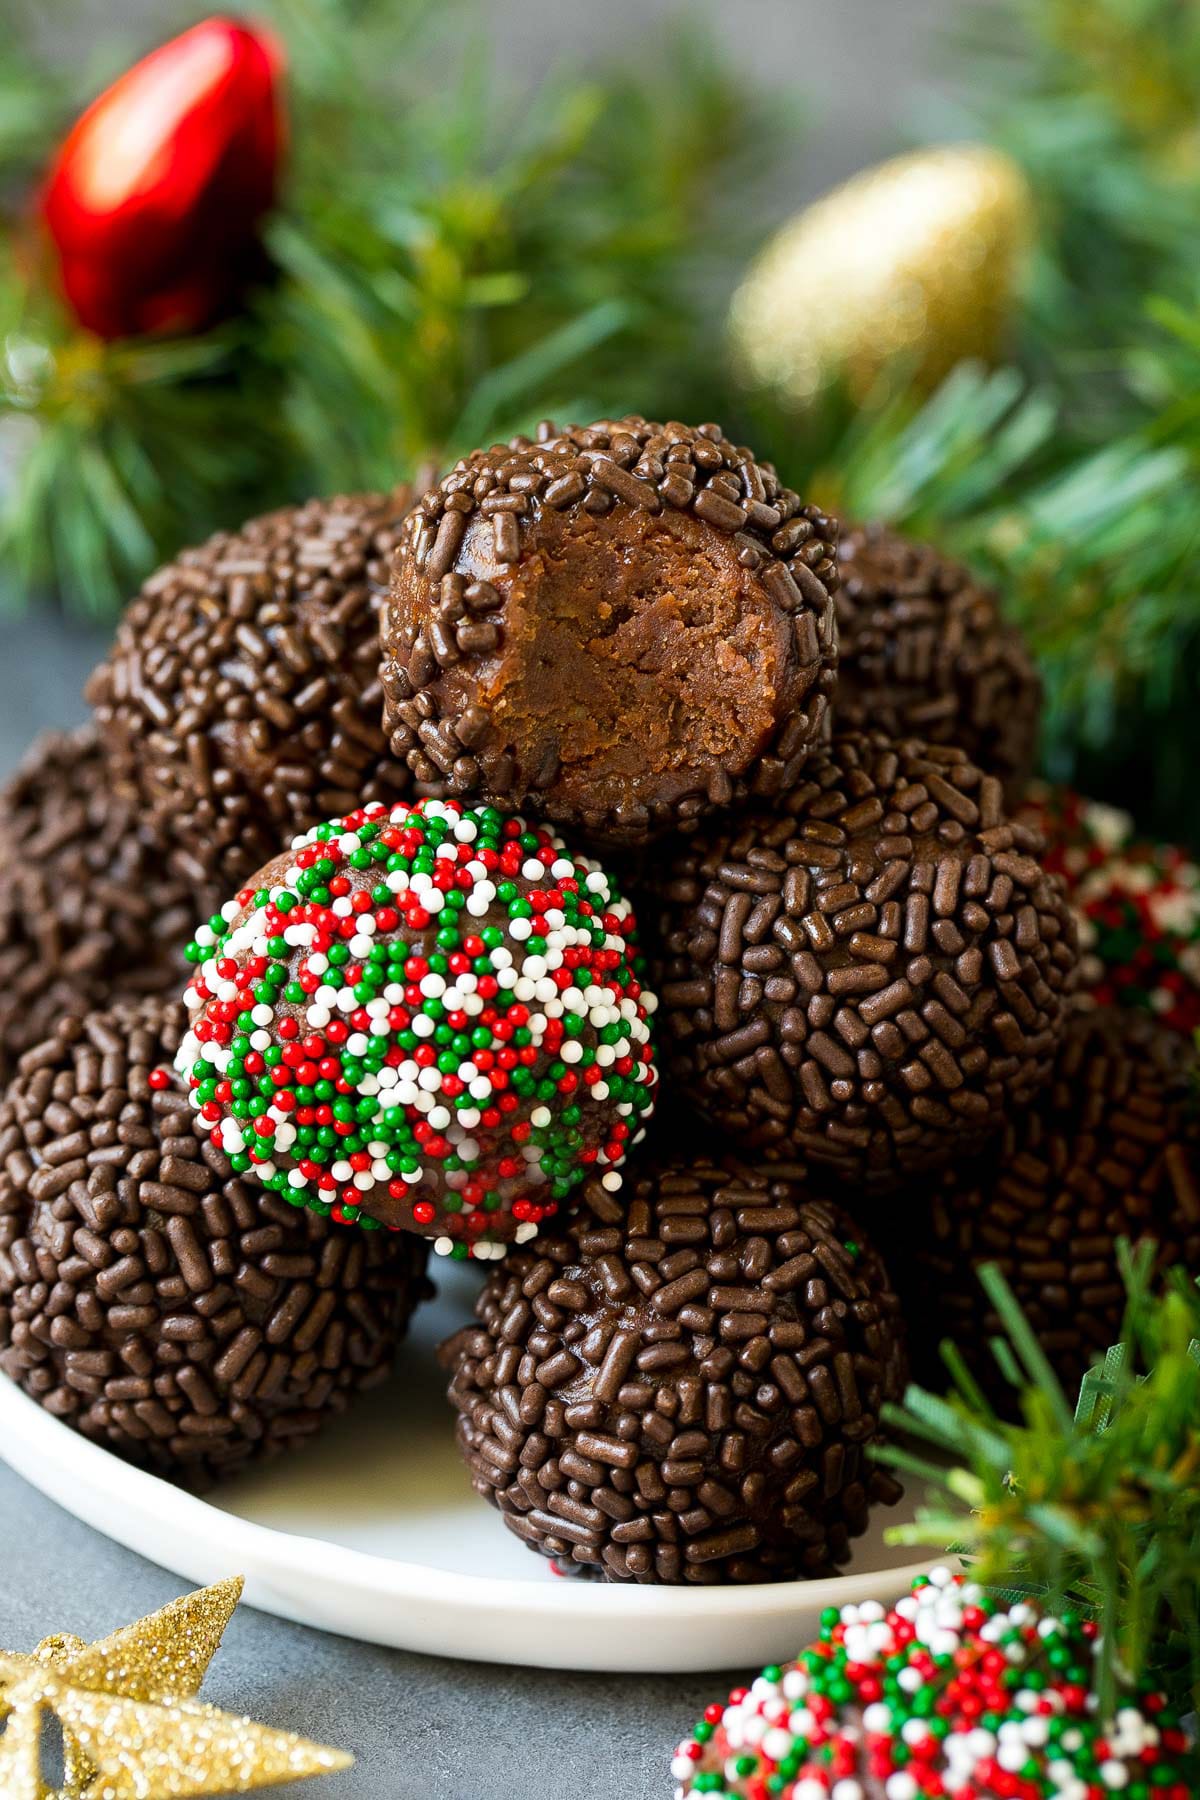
63	1464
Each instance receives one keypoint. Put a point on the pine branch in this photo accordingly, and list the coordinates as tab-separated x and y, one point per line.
1095	1507
1065	477
451	262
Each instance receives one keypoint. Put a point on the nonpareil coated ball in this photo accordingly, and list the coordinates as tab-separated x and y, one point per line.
429	1018
152	1298
240	701
871	972
1109	1150
685	1384
89	910
924	651
953	1691
1137	906
620	626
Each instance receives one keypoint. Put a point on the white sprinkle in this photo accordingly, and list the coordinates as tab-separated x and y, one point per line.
901	1786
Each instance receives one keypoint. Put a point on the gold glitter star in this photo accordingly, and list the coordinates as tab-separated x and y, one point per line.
132	1729
20	1770
162	1657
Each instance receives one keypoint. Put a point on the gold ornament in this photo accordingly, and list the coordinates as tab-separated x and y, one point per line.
162	1657
132	1728
894	277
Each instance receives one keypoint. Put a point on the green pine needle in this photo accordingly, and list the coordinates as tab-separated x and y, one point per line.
1095	1508
452	260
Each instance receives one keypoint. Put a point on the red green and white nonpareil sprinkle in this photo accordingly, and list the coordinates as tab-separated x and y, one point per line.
1137	906
431	1006
951	1692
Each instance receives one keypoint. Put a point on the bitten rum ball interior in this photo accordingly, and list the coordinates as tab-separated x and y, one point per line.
620	627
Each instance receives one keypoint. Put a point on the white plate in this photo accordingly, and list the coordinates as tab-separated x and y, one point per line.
375	1533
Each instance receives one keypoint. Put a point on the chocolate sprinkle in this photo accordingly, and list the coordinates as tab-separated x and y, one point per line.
870	973
240	700
1110	1150
87	910
622	626
684	1385
149	1297
925	652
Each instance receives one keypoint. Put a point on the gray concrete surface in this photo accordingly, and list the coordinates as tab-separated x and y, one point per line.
421	1728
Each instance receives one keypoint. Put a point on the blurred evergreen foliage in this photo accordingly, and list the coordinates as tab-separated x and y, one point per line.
1070	475
453	260
450	260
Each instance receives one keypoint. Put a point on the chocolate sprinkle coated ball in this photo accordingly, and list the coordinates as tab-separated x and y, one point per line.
684	1385
1110	1150
925	652
427	1018
241	698
952	1692
88	910
620	626
869	973
150	1297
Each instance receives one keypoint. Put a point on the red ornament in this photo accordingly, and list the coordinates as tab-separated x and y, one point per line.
155	199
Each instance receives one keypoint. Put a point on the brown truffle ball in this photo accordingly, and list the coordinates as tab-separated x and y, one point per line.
683	1386
149	1297
240	700
872	971
925	652
1110	1150
620	626
88	910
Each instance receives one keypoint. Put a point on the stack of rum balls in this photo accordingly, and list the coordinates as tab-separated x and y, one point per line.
319	955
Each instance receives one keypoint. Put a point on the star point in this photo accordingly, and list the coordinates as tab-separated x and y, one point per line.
132	1726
